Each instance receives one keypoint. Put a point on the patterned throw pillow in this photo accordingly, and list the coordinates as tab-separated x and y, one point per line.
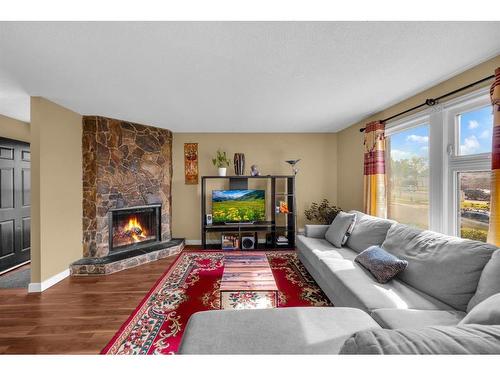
382	265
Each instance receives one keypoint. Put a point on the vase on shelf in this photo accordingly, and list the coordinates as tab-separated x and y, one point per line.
239	164
222	171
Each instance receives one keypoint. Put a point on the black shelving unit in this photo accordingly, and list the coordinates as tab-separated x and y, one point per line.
272	228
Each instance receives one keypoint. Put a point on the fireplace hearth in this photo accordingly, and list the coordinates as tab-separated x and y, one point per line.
134	227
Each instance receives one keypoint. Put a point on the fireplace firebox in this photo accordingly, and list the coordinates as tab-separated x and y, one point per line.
134	227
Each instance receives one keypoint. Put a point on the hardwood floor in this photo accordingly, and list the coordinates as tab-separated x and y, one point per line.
79	315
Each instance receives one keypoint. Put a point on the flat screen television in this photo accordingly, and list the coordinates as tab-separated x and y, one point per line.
236	206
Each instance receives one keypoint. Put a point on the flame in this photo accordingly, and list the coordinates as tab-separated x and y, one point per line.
135	229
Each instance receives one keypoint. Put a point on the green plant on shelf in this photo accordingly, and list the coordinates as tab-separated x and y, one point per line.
322	213
220	160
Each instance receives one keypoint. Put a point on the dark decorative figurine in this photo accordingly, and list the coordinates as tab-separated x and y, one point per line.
292	164
254	171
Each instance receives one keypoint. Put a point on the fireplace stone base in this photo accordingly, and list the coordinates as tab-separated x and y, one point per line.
120	261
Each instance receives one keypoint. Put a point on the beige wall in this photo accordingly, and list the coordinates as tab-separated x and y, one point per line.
14	129
56	211
350	140
317	177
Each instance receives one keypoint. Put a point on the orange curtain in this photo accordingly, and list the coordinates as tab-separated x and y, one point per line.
494	230
374	181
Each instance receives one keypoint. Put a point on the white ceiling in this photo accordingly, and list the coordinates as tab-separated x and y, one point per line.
233	76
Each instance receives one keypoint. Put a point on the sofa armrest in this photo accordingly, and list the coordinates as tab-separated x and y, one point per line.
315	231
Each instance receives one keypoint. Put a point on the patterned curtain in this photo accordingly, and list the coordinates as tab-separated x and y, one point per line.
494	230
375	196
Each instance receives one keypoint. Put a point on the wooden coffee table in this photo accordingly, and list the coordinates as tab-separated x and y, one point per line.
248	275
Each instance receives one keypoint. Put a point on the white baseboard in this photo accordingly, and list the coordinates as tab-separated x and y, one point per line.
46	284
193	242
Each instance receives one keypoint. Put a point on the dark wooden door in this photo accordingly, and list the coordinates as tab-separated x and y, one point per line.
15	201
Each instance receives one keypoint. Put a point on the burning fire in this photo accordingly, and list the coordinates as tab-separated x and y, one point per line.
134	230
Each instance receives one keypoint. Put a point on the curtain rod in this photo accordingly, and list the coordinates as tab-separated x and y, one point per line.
432	102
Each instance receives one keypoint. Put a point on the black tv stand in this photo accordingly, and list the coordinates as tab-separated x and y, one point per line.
280	224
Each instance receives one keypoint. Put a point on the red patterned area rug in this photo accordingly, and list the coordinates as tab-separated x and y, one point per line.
190	285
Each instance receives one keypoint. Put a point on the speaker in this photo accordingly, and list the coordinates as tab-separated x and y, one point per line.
247	242
209	218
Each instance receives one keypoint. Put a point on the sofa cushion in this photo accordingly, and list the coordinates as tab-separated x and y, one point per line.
353	286
411	318
368	231
486	312
466	339
302	330
315	230
382	265
338	232
447	268
489	283
315	249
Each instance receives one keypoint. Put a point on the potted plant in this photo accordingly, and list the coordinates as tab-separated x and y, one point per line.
322	213
221	161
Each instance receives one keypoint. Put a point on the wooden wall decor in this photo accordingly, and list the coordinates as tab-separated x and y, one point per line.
191	163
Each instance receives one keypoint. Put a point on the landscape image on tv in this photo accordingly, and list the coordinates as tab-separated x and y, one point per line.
238	205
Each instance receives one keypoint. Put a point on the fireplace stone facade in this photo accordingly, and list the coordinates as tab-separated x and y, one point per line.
124	165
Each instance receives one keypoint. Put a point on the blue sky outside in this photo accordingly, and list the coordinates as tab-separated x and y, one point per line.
410	143
476	131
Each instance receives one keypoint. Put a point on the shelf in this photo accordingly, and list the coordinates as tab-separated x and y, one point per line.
257	223
267	176
277	223
246	228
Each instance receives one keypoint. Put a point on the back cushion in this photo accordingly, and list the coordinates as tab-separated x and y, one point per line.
486	312
489	283
337	233
447	268
368	231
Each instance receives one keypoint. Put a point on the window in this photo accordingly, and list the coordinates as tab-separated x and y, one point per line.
409	176
439	166
470	134
474	217
475	131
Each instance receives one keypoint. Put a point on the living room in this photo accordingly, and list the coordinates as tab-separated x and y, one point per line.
249	187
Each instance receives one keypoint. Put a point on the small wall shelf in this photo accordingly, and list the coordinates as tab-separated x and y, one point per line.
272	229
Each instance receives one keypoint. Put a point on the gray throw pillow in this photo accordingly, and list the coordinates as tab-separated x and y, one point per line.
486	312
340	229
382	265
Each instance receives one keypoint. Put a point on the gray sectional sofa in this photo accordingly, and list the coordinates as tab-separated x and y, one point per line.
419	311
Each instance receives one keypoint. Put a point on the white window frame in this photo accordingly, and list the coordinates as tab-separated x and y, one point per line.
444	161
455	163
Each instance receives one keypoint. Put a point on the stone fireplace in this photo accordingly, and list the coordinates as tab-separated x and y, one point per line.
127	175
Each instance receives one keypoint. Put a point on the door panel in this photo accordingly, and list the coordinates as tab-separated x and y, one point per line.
6	238
26	187
15	201
6	153
26	234
6	187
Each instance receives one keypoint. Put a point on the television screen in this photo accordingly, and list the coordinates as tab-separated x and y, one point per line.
238	205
